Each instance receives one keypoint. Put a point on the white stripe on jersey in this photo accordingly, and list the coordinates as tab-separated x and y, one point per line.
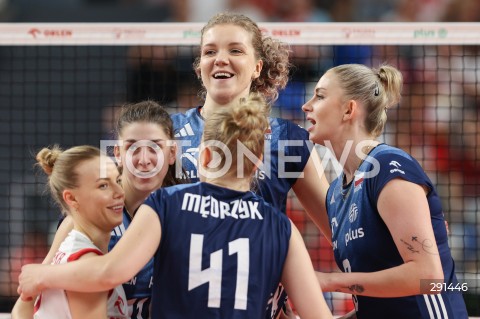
429	307
442	305
440	313
186	130
435	305
119	230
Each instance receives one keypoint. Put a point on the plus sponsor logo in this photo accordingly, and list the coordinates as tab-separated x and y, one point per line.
353	234
356	233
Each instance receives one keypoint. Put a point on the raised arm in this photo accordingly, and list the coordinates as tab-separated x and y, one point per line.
311	191
404	209
101	272
24	309
298	278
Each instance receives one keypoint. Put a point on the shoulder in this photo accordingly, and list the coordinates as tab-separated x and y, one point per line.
287	128
188	124
175	189
273	212
185	116
277	122
394	163
390	156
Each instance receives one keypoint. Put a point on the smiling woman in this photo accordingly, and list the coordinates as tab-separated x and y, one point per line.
94	200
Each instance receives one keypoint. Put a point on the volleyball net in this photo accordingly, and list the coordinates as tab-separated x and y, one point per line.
64	84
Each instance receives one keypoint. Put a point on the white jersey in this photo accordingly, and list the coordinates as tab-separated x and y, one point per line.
53	303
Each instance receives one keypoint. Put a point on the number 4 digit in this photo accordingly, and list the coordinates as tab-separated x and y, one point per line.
213	275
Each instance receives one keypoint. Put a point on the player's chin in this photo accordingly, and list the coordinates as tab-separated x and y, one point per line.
313	137
148	184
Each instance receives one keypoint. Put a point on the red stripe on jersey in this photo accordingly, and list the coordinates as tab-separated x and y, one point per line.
38	302
81	252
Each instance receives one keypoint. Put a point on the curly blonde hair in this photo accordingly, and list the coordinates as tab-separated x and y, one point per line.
245	123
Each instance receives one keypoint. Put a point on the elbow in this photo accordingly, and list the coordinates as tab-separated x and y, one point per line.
437	276
434	271
432	281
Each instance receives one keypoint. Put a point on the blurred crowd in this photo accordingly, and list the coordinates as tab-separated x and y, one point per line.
259	10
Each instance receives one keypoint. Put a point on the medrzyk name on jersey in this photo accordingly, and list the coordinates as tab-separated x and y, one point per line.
208	206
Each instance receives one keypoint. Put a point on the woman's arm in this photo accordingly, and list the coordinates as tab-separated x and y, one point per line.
99	273
298	278
87	304
404	208
24	309
311	191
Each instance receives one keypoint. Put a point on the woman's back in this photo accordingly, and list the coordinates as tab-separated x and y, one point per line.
221	253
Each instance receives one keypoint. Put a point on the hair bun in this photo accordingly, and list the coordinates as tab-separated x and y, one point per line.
47	157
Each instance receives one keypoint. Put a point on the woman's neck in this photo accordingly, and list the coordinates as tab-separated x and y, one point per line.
231	182
210	106
133	200
98	237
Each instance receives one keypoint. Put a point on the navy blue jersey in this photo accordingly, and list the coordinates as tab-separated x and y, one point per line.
139	289
363	243
221	253
287	150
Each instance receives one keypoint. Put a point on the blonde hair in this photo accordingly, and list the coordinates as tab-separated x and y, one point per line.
273	53
377	89
245	122
60	166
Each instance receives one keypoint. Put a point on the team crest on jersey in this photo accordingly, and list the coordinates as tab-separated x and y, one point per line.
357	183
353	213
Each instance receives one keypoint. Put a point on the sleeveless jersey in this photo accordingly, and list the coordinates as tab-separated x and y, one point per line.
53	303
363	243
138	289
287	150
221	253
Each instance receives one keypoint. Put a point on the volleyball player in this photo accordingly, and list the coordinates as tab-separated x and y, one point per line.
389	234
95	204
